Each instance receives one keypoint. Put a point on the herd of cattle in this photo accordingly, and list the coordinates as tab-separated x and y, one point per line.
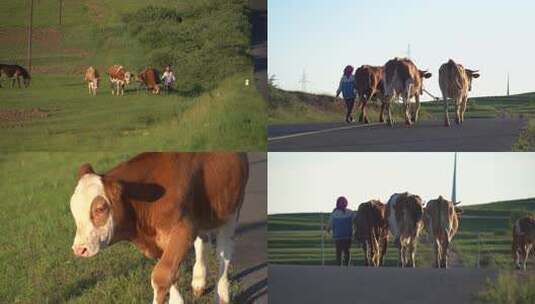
120	78
400	78
404	215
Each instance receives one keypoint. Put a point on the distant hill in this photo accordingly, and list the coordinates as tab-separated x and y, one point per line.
294	106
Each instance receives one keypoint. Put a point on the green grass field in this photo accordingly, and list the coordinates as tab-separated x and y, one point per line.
226	115
38	231
485	231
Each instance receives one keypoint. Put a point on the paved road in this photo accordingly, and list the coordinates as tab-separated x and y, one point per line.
429	136
258	20
250	253
331	284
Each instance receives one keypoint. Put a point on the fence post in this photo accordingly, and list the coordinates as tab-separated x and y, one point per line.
30	27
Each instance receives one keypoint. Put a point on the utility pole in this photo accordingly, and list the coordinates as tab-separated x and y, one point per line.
60	12
454	188
303	81
30	28
507	84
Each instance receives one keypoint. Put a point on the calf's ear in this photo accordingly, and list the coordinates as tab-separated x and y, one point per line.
113	190
85	169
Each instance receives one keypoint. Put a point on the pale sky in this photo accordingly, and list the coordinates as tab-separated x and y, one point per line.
323	36
311	181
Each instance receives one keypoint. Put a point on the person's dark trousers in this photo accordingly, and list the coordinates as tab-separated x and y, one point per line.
343	247
349	105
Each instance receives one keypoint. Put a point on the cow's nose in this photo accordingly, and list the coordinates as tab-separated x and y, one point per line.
80	250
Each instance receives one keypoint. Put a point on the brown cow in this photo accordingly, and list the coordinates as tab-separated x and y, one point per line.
441	220
15	73
455	82
371	230
369	84
404	213
149	78
119	78
164	203
402	78
92	78
523	240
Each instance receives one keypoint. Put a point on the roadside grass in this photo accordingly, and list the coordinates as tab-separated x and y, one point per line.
509	287
94	33
484	234
232	117
299	107
38	230
526	140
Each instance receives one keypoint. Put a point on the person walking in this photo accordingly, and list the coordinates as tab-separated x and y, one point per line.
341	225
347	88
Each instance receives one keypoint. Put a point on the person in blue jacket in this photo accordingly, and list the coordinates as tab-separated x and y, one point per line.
341	225
347	88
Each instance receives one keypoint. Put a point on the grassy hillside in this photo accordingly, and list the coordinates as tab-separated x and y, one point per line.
211	109
38	230
485	231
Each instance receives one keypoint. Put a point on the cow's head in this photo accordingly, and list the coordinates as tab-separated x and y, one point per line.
91	207
470	74
425	74
128	77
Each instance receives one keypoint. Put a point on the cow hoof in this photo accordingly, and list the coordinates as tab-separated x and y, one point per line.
198	292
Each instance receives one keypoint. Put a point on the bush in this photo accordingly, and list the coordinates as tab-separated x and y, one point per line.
205	41
509	288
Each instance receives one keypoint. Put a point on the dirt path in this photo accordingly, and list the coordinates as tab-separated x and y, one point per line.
331	284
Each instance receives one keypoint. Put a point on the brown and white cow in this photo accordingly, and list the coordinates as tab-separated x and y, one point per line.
403	78
119	78
149	78
369	84
441	220
164	203
15	73
523	240
404	213
371	230
92	78
455	82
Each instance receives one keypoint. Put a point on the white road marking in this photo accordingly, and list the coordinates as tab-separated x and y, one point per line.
323	131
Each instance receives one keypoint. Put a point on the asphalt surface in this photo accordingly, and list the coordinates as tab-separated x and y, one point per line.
250	252
475	135
331	284
258	19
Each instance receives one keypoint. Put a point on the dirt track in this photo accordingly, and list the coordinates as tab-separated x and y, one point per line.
331	284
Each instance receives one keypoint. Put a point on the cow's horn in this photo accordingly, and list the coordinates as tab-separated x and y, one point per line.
456	203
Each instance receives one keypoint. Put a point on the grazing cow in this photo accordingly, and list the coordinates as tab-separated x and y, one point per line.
164	203
455	82
92	79
402	78
150	79
369	84
523	240
119	78
441	220
15	73
404	213
371	230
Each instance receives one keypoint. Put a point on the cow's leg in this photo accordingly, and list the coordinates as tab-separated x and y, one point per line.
383	251
166	272
445	248
365	111
365	250
225	244
360	107
407	105
446	111
401	256
436	248
417	108
458	110
112	88
412	253
198	280
526	255
381	115
463	109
